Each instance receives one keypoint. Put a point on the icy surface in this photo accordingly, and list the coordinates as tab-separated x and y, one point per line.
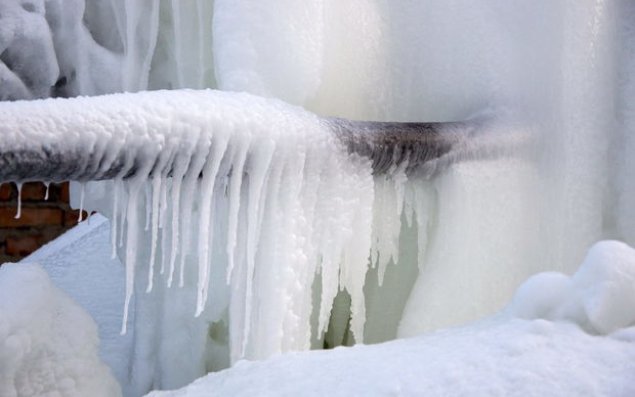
544	343
49	345
79	263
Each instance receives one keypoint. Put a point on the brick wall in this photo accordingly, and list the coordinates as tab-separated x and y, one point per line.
41	220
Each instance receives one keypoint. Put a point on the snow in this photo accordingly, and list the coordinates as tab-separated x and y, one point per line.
539	345
79	263
501	357
600	296
49	344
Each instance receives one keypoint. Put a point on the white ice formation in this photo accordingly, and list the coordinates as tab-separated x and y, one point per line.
48	344
565	65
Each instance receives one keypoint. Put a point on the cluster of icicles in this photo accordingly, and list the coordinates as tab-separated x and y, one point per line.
234	189
267	206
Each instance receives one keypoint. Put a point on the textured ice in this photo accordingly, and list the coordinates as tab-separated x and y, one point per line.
48	344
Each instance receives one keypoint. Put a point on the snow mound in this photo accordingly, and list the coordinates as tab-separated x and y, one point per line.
600	296
48	344
518	352
503	356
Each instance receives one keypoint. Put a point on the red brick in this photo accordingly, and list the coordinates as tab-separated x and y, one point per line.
72	216
39	216
33	191
6	189
8	259
23	245
64	192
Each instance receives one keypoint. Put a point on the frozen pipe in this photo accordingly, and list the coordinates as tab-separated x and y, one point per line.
103	137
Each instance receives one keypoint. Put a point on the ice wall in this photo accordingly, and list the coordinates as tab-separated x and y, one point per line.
76	47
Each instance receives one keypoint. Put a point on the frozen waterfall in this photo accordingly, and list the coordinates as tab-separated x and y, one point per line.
270	237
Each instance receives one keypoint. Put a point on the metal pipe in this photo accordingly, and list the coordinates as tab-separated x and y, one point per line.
72	139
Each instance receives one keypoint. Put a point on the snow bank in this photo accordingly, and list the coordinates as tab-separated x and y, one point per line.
48	345
540	346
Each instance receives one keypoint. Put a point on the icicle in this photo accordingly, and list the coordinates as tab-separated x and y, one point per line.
201	42
261	160
113	221
123	214
178	45
46	195
162	220
163	201
153	34
180	169
422	197
80	217
18	186
210	172
131	247
156	193
147	206
235	185
196	166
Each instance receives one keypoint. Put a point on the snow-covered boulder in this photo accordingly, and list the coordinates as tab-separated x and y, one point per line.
48	344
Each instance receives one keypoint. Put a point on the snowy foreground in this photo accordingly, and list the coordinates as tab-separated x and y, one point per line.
48	344
559	336
568	336
502	356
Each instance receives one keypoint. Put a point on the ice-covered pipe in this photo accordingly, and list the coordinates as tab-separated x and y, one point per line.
103	137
